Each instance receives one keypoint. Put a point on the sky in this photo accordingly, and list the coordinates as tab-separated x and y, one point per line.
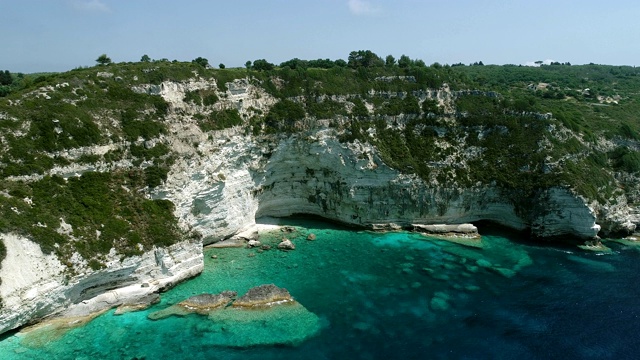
59	35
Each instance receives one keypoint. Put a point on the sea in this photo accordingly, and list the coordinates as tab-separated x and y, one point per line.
394	295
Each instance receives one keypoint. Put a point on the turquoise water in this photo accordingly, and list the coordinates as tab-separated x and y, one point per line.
388	296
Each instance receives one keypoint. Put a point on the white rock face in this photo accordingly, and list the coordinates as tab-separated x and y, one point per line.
31	282
221	193
231	179
564	214
35	285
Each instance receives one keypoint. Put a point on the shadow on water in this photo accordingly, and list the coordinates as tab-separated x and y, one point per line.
9	334
523	237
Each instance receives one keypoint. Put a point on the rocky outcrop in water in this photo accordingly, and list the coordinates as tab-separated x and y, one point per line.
265	315
204	304
263	295
286	244
468	230
201	304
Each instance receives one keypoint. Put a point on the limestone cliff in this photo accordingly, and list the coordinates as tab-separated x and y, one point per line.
231	179
225	154
35	285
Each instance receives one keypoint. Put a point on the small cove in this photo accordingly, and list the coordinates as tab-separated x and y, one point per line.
391	295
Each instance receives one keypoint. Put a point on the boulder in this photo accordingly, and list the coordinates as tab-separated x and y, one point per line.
286	244
311	237
263	295
207	302
253	243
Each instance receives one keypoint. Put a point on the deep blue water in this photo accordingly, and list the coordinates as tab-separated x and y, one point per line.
394	296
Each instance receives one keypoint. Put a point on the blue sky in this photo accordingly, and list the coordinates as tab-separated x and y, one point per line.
58	35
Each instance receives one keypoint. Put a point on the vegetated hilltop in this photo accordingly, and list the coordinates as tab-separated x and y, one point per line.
520	129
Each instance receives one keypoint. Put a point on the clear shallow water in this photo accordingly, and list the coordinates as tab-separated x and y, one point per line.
394	296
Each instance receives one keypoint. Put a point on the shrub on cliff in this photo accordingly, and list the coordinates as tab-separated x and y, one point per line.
105	210
219	120
283	115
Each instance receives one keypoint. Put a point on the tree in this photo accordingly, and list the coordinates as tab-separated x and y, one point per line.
340	63
390	61
262	64
248	64
201	61
364	58
145	58
404	61
321	64
419	63
294	64
103	59
221	66
6	78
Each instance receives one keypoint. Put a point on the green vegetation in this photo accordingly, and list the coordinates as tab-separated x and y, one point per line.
201	97
325	109
201	61
219	120
103	59
105	210
283	115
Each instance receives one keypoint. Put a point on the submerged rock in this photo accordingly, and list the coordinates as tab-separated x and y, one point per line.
265	315
439	304
311	237
285	324
263	295
141	304
595	245
483	263
508	273
53	329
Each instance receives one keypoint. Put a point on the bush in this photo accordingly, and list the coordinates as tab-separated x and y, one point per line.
219	120
134	128
625	159
326	109
283	115
90	203
155	175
